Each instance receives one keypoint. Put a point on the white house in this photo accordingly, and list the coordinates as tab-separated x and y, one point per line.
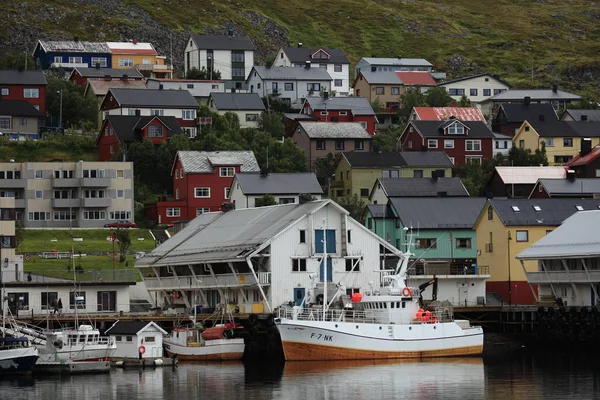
502	143
333	61
199	89
232	56
290	84
392	64
260	258
284	187
247	106
477	88
135	337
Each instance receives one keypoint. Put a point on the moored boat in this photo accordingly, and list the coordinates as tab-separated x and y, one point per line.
16	355
198	344
83	343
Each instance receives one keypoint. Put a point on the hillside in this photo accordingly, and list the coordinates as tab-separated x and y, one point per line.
547	40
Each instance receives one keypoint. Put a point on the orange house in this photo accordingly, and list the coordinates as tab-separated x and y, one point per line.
141	56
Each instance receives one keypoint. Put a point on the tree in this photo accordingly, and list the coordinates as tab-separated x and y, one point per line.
464	101
474	176
354	205
274	103
387	140
78	110
411	98
520	157
124	243
17	60
324	168
266	200
377	105
202	74
272	123
438	97
19	233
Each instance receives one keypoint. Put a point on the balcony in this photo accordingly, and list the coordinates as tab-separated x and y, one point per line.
337	184
96	202
66	203
563	277
65	182
153	67
69	65
13	183
207	281
95	182
20	203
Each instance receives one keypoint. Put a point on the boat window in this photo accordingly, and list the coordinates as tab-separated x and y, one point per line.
392	305
403	304
82	339
397	304
385	305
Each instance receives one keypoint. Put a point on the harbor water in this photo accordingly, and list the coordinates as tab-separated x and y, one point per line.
517	375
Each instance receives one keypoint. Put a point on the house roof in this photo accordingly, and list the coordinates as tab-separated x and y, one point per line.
101	87
303	54
334	130
71	46
131	327
552	212
556	128
395	61
446	113
397	159
380	211
18	108
153	98
477	129
25	77
279	183
131	48
585	160
577	237
466	78
297	117
381	77
204	161
416	78
356	105
534	94
237	101
438	212
591	115
223	42
529	175
292	73
422	187
127	127
112	72
519	112
570	188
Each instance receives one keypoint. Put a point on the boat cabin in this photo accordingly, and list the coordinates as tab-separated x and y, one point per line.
9	343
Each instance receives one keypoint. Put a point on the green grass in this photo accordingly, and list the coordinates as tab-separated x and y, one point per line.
43	240
67	148
89	265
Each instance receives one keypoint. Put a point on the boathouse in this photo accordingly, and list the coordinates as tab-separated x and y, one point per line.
135	337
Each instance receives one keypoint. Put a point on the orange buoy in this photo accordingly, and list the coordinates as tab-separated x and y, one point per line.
141	349
407	292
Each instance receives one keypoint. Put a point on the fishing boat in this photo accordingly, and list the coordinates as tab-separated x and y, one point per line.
83	343
389	323
16	354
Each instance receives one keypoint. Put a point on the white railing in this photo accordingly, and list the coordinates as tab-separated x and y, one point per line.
564	277
440	314
207	281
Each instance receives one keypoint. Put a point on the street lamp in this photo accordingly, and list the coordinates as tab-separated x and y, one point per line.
60	115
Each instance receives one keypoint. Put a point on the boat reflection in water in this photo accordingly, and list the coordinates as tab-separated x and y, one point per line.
378	379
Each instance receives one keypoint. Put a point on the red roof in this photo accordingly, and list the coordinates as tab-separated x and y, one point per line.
446	113
585	160
416	78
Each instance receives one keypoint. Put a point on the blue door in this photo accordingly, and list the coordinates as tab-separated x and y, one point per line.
329	271
319	241
298	296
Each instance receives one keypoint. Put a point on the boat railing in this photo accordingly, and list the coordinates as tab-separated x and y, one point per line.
318	314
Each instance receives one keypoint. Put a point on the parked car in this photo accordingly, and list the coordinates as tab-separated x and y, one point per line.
121	224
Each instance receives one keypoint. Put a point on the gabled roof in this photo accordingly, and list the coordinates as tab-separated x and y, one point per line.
466	78
153	98
205	161
446	113
291	73
401	62
279	183
585	160
104	72
552	212
131	327
477	129
584	187
556	128
71	46
380	211
381	77
397	159
422	187
356	105
101	87
529	175
427	159
577	237
237	101
591	115
25	77
519	112
127	127
438	212
416	78
18	108
334	130
132	48
223	42
534	94
303	54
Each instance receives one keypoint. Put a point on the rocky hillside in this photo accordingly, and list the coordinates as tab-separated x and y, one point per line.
529	43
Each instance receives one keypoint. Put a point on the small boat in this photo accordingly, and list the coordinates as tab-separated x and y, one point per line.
199	344
16	355
81	344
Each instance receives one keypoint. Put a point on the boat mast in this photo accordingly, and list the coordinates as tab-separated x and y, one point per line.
325	268
75	292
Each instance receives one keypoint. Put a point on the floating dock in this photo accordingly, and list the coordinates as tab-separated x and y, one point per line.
71	367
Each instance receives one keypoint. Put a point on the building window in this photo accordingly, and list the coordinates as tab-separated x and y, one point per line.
157	112
58	59
125	62
38	216
337	82
286	200
473	145
173	212
463	243
119	215
490	213
120	194
380	90
456	92
9	242
418	173
48	300
288	86
364	192
473	92
120	173
39	194
339	144
522	236
473	159
237	56
395	91
251	117
320	144
38	174
77	300
349	232
314	87
448	144
202	192
188	114
343	113
5	123
227	192
498	91
549	142
226	171
521	144
299	265
31	93
155	131
425	244
101	61
432	143
20	301
238	73
202	210
359	144
456	129
5	91
93	173
487	92
94	215
567	142
353	262
337	68
302	236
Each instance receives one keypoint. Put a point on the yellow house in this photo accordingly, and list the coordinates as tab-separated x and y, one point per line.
562	138
506	227
141	56
356	172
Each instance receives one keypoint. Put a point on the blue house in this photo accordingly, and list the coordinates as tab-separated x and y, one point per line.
72	54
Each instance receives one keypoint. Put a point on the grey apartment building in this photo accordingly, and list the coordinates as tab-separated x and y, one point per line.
83	194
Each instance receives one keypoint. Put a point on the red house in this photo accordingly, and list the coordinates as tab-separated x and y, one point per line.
120	130
462	141
24	85
201	183
342	109
81	76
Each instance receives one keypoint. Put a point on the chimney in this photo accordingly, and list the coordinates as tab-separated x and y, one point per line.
230	33
307	64
527	100
541	117
586	146
299	45
264	173
135	41
97	65
107	77
304	198
571	175
554	88
160	86
442	194
326	95
584	117
226	207
373	55
373	69
125	77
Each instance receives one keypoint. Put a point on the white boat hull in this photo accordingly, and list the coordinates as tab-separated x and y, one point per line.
211	350
304	340
19	360
78	353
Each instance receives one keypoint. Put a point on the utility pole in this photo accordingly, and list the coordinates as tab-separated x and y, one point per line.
60	115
